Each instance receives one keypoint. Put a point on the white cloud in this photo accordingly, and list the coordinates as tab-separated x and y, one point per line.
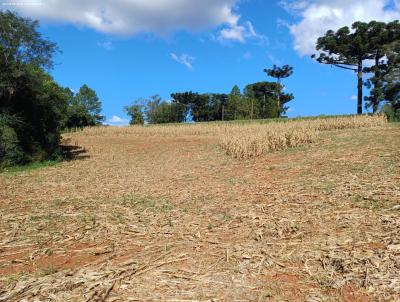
318	16
240	33
117	121
184	59
235	33
353	98
127	17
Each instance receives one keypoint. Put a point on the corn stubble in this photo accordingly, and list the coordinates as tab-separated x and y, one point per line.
248	140
254	140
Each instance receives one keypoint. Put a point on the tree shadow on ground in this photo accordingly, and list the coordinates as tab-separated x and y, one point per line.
67	152
70	152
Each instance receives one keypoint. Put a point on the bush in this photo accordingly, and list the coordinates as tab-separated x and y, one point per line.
392	113
11	152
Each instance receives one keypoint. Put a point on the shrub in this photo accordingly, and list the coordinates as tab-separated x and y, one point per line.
10	151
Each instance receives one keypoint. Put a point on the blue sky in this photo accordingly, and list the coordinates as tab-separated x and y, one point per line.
127	49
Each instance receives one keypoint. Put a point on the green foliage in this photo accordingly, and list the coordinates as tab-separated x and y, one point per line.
84	108
40	105
233	107
216	103
345	48
136	114
197	105
156	111
32	105
348	49
392	112
391	88
260	100
280	73
267	104
12	169
10	150
384	39
22	43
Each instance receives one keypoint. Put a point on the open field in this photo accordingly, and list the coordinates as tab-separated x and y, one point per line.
171	213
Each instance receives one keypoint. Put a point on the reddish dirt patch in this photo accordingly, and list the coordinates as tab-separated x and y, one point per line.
353	294
375	246
75	256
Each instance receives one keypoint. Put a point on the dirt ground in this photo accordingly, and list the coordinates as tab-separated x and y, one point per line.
175	219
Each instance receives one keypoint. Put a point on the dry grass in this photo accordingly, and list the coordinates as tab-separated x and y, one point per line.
150	217
244	141
248	141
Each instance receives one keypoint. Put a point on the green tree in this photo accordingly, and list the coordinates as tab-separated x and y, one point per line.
84	108
32	105
382	37
151	109
158	111
347	50
195	104
10	149
135	112
391	83
264	97
279	73
199	108
216	106
178	112
164	114
22	43
234	103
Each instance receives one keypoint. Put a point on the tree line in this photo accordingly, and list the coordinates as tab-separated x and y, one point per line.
34	109
258	101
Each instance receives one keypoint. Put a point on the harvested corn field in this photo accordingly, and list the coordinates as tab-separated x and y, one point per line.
197	213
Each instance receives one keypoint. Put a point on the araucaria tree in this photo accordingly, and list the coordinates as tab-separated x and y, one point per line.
348	50
279	73
264	99
383	40
391	82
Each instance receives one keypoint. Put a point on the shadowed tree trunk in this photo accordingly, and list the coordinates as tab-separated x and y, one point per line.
278	93
377	84
360	87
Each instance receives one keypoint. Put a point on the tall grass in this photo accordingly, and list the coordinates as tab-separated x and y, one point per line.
245	140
